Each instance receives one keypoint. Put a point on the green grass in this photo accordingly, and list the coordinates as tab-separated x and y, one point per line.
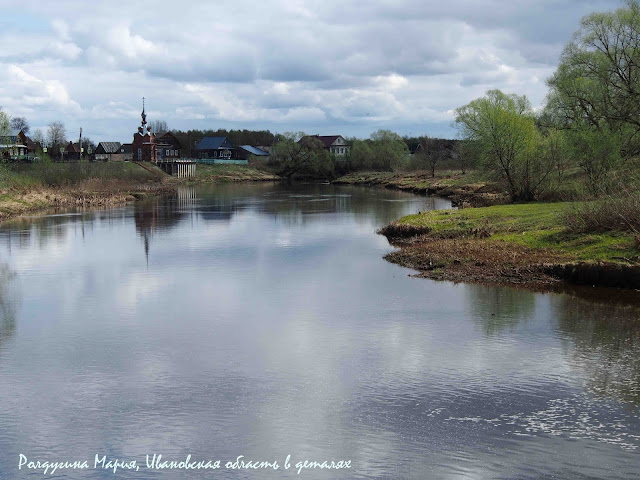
230	172
48	174
535	225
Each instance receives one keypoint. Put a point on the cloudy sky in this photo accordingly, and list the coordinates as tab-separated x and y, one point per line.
327	67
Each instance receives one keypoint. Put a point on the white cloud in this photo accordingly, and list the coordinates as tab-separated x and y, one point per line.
29	91
348	66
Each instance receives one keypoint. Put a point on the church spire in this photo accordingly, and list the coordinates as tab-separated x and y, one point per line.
143	115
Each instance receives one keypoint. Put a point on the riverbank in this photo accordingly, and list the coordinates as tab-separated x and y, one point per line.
30	188
229	173
521	244
463	189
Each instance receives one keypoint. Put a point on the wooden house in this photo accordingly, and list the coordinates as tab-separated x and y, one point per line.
245	151
336	145
108	151
168	147
71	152
215	148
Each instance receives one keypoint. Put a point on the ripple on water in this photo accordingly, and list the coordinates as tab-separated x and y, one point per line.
579	417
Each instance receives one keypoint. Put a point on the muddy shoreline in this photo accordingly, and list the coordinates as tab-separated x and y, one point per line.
478	258
462	189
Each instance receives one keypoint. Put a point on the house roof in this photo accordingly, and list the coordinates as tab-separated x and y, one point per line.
213	143
110	147
72	148
327	140
170	137
254	150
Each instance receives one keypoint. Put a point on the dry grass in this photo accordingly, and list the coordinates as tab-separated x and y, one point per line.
475	260
620	214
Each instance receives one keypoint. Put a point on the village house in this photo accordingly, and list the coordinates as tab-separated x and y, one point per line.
168	146
245	151
108	151
216	148
71	152
125	152
336	145
22	139
15	145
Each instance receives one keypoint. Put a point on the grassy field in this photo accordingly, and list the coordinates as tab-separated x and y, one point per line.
230	173
532	225
35	175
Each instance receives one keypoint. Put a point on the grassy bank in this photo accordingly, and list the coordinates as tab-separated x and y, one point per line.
465	190
230	173
518	243
26	188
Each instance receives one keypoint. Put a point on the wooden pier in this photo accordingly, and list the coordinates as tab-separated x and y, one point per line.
178	167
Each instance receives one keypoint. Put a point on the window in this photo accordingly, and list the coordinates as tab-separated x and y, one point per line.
139	154
167	153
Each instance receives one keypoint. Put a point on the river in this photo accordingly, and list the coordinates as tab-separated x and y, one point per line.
262	321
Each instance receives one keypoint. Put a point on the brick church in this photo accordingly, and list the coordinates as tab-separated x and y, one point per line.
145	148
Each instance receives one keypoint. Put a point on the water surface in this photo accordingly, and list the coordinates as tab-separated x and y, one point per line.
261	320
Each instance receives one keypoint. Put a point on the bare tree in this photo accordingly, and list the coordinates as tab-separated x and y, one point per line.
88	145
56	137
159	127
38	136
432	152
20	123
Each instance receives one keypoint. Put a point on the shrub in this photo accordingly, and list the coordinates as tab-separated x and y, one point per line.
610	214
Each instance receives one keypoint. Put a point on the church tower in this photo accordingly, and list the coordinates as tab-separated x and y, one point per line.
144	141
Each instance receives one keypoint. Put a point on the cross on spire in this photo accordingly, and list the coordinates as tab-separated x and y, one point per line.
143	115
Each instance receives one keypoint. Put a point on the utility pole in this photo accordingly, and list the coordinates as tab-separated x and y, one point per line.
80	143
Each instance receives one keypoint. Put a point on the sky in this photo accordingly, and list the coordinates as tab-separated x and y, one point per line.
326	67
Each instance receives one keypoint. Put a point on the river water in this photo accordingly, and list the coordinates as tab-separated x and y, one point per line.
262	321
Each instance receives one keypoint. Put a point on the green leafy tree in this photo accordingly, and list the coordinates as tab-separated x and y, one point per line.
390	152
298	154
597	83
555	148
503	130
361	156
5	126
5	131
597	152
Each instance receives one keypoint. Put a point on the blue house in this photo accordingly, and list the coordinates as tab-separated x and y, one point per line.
216	148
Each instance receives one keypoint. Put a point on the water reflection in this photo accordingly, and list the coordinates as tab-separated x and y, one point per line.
296	205
10	300
603	342
266	322
499	309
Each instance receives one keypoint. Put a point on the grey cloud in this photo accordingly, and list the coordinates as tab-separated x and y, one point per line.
286	65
